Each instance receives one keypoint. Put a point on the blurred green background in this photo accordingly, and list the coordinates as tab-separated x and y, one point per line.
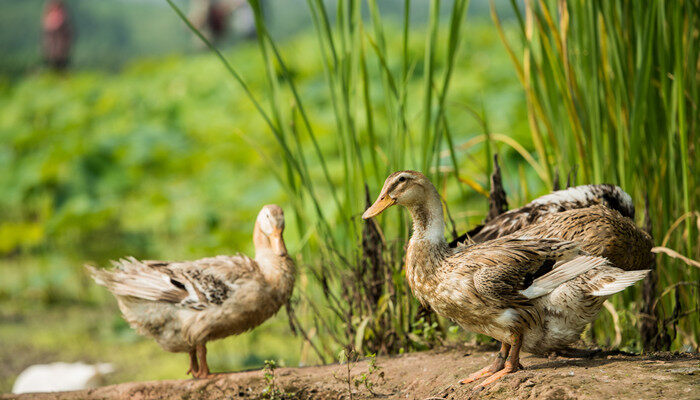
145	146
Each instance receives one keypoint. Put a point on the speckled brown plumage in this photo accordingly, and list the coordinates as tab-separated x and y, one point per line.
527	291
600	231
184	305
475	285
573	198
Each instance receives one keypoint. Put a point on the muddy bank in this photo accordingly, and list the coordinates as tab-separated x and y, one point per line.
435	375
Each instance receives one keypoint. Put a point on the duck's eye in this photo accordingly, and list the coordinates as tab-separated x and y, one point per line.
401	179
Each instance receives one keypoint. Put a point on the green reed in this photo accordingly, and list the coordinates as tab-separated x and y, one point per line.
351	264
609	88
612	88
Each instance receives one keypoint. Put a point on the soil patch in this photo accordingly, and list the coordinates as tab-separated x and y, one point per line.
435	375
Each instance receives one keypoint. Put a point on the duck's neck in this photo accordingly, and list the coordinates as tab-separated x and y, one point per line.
428	220
427	247
278	270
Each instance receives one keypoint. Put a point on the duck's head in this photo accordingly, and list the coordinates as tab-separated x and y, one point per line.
268	229
406	188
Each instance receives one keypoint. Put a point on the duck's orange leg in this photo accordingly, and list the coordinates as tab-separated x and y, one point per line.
194	367
511	365
203	371
491	369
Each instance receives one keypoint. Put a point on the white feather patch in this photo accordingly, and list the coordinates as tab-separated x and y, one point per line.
561	274
574	194
622	281
507	317
585	194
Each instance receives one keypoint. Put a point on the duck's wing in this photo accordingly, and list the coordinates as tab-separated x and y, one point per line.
562	200
511	271
191	284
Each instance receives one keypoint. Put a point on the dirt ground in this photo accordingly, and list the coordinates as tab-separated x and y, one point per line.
434	375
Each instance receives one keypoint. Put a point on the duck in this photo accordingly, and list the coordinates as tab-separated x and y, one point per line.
573	198
599	217
185	304
533	294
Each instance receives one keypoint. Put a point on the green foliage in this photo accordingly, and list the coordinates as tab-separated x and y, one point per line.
100	171
367	379
271	391
412	127
377	86
324	199
349	358
160	161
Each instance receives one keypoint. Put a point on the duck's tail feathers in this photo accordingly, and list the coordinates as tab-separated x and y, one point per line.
133	278
100	276
562	274
621	281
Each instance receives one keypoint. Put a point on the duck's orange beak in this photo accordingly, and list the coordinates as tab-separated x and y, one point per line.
382	203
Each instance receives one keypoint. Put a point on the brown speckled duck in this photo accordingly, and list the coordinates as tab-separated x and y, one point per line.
184	305
535	294
598	217
599	231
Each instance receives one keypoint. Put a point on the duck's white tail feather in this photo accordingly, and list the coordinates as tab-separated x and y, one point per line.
135	279
622	280
561	274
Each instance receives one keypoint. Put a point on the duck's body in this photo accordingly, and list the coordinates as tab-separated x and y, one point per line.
184	305
598	217
527	292
478	288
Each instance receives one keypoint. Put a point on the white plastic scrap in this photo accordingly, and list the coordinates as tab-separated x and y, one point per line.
60	376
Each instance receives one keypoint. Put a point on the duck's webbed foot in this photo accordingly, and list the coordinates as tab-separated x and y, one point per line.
512	364
508	368
491	369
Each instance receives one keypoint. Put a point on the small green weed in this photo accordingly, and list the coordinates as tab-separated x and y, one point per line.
271	391
368	379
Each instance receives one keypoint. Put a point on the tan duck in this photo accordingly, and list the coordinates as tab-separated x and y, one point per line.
535	294
184	305
600	222
573	198
598	217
